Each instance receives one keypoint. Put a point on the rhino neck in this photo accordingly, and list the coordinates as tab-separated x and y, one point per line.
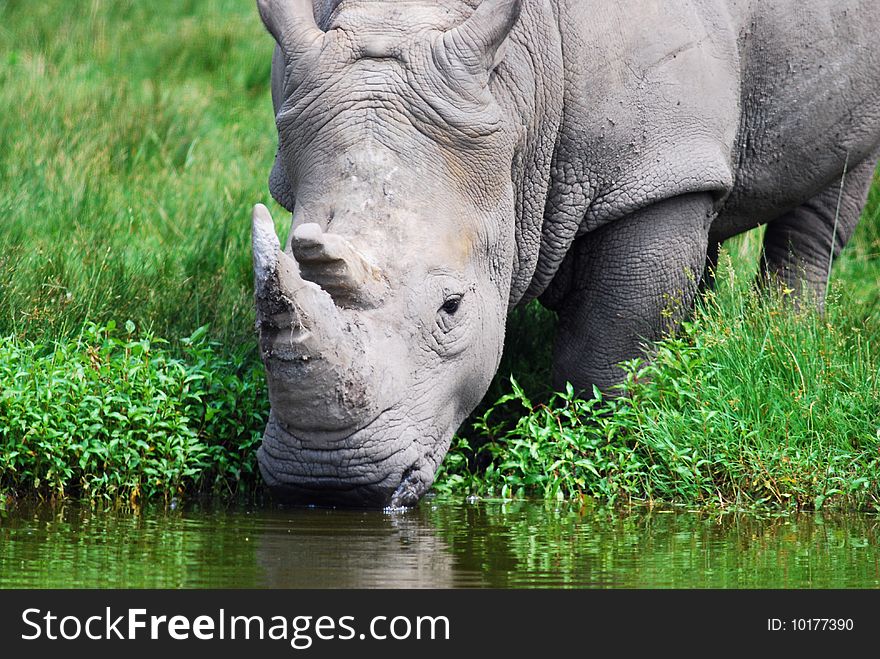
529	85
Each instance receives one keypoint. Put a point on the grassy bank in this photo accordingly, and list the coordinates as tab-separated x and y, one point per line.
751	405
134	138
120	415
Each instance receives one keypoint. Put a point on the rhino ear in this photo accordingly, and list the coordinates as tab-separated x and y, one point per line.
479	41
292	23
280	187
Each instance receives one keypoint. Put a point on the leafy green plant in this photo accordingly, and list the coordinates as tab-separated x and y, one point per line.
124	415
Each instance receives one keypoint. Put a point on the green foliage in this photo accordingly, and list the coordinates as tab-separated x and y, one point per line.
859	266
120	416
754	403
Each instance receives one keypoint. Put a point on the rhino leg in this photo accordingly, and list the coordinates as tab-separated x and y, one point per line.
631	281
798	246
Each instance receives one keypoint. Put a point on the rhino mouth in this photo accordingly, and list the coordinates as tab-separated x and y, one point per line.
368	469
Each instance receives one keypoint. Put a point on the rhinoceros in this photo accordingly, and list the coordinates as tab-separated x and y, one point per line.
447	160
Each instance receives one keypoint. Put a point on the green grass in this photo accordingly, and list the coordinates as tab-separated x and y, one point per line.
134	139
751	405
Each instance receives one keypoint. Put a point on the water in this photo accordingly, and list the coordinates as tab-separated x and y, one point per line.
440	544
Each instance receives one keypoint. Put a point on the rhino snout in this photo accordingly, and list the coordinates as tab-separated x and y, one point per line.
374	467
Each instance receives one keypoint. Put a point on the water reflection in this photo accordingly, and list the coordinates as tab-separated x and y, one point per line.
341	549
541	545
441	544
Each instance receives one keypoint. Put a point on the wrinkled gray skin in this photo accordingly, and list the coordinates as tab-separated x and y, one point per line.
445	163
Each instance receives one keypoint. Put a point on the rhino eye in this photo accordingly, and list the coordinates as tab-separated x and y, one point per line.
451	305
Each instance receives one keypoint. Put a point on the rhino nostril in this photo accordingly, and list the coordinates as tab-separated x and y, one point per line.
410	490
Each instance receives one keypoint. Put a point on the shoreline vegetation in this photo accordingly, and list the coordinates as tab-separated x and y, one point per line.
752	405
131	152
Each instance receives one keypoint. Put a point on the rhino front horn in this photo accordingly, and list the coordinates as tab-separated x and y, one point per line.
314	360
285	301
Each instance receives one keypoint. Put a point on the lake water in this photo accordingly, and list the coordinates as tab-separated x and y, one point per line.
440	544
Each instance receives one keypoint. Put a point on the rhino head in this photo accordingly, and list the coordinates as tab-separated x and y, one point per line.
381	321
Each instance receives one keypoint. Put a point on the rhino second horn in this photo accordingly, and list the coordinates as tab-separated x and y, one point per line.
331	261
